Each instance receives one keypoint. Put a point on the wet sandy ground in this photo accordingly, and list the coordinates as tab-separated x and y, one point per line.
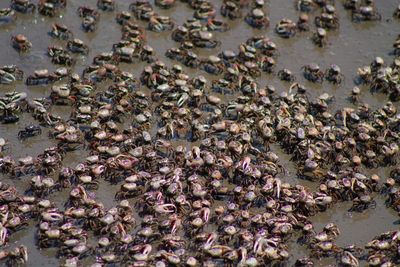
350	47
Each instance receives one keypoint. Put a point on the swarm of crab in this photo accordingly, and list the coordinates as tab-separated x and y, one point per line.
222	200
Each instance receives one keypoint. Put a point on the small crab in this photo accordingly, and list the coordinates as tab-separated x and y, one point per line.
29	131
365	13
77	46
286	75
334	75
313	73
362	203
319	38
21	43
286	28
106	5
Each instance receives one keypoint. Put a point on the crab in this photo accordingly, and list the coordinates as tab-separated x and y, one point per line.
147	54
351	4
15	257
319	37
10	74
123	18
7	15
21	43
267	64
257	19
217	25
47	9
313	73
29	131
286	75
306	5
78	46
106	5
160	23
126	53
396	13
128	190
205	11
166	4
231	10
60	31
90	18
60	93
334	75
365	13
60	56
303	23
145	12
57	3
23	6
42	77
286	28
191	60
362	203
106	58
203	39
213	65
222	86
328	19
180	34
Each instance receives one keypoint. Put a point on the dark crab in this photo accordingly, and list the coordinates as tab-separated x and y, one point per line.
303	23
213	65
106	5
147	54
334	75
78	46
126	53
180	34
257	19
29	131
203	39
286	75
23	6
7	15
60	56
396	13
166	4
365	13
42	77
58	4
15	257
351	4
286	28
306	5
267	64
60	31
328	19
231	10
191	60
217	25
160	23
319	37
106	58
90	18
313	73
362	203
47	9
205	11
124	18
